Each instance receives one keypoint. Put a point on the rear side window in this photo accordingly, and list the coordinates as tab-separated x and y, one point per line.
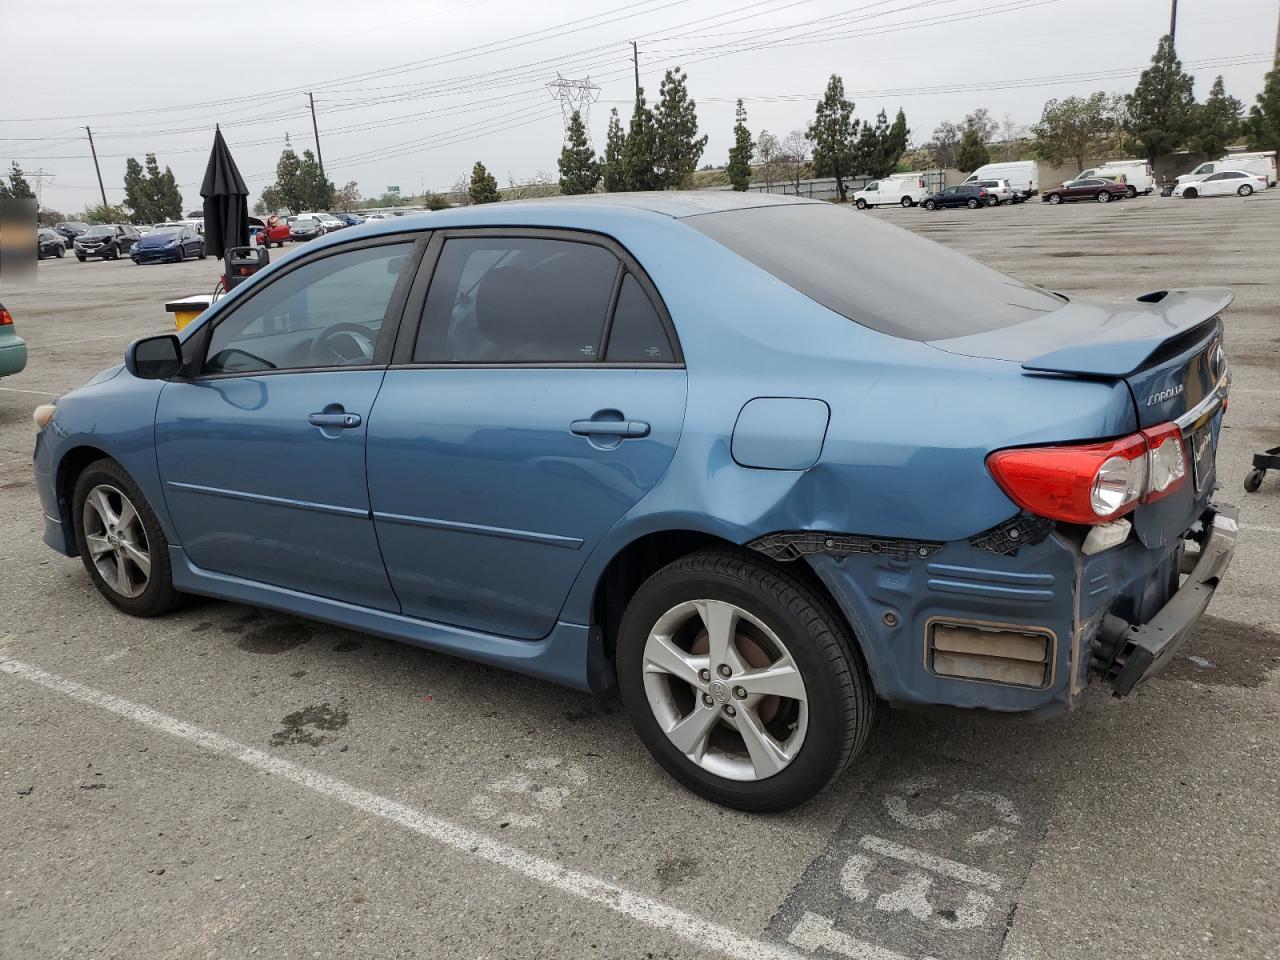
874	273
637	334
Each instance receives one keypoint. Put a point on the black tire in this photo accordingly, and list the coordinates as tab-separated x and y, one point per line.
159	596
930	205
1190	194
204	253
1130	191
1253	480
1245	190
80	258
907	202
181	255
60	252
1104	196
860	204
973	203
841	703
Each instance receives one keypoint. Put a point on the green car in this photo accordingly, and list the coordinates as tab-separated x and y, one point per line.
13	349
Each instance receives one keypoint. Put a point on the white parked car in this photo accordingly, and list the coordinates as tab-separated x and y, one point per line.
1135	174
998	191
1226	183
1262	163
905	191
1023	177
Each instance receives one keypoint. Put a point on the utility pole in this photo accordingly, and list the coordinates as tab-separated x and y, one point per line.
93	150
635	59
1173	20
1276	63
316	131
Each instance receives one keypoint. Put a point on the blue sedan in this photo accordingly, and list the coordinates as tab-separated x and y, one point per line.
169	243
720	450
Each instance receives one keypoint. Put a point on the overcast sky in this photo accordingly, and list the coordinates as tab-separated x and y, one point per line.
413	93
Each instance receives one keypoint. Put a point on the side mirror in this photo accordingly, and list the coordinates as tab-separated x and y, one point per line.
154	358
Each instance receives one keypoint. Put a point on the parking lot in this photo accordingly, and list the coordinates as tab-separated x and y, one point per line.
227	782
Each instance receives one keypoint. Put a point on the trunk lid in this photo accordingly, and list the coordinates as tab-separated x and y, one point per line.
1167	348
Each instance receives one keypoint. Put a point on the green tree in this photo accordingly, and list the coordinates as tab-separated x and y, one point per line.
435	201
899	139
678	148
1161	109
137	193
579	168
739	169
287	190
639	152
19	189
833	133
271	201
108	213
972	152
483	187
1217	122
615	142
4	191
162	191
1073	128
874	154
1263	125
314	191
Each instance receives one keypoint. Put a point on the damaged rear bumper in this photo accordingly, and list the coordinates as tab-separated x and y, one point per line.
1127	653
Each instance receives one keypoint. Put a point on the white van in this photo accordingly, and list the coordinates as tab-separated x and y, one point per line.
1023	176
1137	174
1262	163
906	189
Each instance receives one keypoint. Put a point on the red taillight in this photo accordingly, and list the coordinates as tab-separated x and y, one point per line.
1096	482
6	319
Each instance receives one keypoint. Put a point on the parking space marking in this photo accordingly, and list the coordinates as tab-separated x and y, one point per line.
38	393
948	868
698	932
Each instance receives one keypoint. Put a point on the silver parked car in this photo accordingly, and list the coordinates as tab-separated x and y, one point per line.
998	192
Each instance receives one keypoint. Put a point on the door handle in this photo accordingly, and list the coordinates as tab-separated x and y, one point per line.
629	429
342	421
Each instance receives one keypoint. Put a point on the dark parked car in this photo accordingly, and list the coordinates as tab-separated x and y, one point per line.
70	230
1092	188
969	195
107	241
306	228
49	243
169	244
572	438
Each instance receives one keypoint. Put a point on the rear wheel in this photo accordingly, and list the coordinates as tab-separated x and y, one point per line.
1245	190
993	201
907	202
121	543
973	203
743	684
1131	191
1104	196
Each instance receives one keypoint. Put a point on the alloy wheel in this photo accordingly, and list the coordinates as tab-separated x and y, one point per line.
725	690
117	541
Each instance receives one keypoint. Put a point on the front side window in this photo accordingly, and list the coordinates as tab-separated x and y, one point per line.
327	313
516	300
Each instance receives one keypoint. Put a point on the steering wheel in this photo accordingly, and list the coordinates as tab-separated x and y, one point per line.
342	344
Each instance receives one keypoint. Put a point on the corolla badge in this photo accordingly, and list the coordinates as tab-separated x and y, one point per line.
1164	395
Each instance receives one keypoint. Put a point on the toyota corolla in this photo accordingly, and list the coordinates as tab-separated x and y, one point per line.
676	443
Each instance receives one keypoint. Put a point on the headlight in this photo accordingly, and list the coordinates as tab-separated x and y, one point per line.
171	243
42	415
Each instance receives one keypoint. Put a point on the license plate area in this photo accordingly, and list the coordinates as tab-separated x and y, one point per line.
1202	455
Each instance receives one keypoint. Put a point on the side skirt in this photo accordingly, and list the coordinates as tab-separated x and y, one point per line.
564	656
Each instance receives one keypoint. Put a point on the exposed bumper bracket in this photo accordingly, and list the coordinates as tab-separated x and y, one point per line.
1145	649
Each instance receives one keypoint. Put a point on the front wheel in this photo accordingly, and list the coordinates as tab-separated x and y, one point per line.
930	205
60	252
203	252
1104	197
1055	199
742	682
1245	190
121	543
80	258
1190	194
860	204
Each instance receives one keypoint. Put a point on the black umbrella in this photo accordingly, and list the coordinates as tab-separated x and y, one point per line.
226	201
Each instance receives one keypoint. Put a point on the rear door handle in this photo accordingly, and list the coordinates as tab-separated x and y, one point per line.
610	428
342	421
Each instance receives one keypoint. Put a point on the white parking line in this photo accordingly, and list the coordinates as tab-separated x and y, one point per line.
38	393
703	934
1255	528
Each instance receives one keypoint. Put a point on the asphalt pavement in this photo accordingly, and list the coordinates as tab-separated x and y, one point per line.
226	782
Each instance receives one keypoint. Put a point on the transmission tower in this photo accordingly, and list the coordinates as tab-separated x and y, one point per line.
575	96
40	177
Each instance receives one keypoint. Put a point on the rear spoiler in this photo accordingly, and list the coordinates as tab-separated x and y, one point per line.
1127	339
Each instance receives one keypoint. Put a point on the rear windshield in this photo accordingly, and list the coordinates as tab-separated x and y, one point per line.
874	273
